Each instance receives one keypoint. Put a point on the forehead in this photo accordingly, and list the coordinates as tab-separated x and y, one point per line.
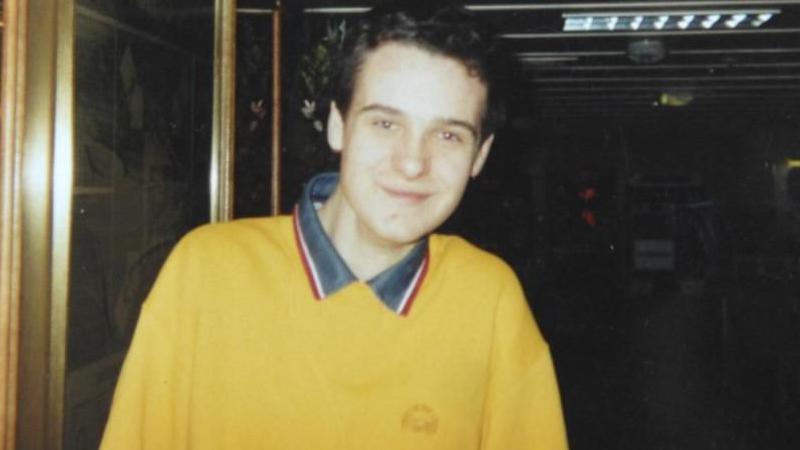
419	83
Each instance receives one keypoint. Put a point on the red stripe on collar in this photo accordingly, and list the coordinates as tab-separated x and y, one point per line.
302	249
417	284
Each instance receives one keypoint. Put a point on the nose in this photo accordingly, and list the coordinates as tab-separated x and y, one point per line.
410	158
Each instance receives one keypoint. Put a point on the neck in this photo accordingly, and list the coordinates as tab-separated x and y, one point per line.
365	253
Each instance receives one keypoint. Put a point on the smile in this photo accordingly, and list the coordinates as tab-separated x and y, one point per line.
406	196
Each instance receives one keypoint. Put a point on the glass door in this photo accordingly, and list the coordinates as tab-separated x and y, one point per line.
143	93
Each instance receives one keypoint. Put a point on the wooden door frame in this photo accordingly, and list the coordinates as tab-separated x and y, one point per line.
11	130
223	145
223	129
37	165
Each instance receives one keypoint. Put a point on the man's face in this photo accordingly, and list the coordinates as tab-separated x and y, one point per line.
409	143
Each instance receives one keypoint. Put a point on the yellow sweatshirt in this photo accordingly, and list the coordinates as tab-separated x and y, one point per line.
232	351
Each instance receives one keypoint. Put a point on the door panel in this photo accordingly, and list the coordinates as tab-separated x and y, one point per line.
142	145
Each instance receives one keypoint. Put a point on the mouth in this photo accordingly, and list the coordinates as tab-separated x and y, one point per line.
406	195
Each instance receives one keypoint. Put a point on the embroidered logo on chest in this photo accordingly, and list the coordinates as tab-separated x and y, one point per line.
420	419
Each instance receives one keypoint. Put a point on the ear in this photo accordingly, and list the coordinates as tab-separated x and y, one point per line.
480	157
335	129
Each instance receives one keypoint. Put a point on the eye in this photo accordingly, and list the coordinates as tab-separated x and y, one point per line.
385	124
450	136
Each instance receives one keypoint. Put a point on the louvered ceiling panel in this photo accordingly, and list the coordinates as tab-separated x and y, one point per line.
750	70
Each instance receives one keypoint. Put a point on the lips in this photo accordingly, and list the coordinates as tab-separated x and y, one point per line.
406	195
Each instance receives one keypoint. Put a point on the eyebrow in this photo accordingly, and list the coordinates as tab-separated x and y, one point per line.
396	112
380	108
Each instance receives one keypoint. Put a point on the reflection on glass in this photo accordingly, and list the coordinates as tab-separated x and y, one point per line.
310	57
253	115
141	158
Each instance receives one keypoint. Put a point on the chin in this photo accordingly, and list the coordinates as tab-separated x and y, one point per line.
408	232
403	236
406	227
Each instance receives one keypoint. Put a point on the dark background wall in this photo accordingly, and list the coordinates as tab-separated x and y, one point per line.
702	356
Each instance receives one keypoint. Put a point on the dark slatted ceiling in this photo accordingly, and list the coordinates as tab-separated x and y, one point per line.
753	71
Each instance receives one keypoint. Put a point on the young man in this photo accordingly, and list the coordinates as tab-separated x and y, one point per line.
349	325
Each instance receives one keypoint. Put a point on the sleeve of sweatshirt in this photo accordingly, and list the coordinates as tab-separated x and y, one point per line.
523	406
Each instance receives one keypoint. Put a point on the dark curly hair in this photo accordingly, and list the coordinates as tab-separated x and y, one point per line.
449	30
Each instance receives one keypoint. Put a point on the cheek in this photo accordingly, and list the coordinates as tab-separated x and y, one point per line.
453	168
365	151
